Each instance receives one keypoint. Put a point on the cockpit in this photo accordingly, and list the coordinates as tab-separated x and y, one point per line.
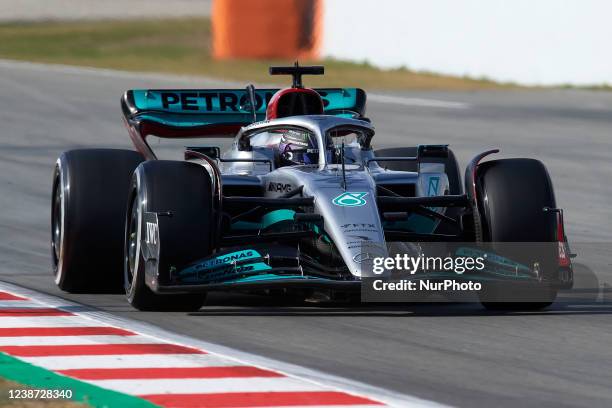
297	145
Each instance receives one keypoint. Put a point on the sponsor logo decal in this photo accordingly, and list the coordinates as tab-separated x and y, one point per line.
151	233
363	257
207	101
350	199
211	101
279	187
223	267
228	259
357	226
230	272
434	182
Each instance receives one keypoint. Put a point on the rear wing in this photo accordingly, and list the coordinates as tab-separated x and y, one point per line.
189	113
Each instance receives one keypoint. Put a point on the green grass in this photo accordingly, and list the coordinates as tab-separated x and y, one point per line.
183	46
15	373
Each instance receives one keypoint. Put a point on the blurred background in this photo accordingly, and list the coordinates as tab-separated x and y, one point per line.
435	44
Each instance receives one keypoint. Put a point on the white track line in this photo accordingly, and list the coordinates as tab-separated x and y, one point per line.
43	321
207	385
306	377
71	340
112	73
18	303
129	361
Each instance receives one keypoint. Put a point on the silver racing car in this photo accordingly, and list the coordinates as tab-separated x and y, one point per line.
301	203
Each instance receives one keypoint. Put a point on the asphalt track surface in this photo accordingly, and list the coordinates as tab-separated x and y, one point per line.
456	353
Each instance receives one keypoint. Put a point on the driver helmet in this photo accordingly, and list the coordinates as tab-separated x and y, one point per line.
298	147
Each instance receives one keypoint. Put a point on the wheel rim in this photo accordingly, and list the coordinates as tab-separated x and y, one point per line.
56	222
132	242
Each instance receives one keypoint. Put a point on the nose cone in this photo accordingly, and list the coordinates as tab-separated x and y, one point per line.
352	221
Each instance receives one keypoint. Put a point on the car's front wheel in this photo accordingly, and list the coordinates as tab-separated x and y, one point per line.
180	196
513	196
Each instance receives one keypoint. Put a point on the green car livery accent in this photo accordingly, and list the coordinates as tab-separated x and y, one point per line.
434	182
272	277
220	262
269	219
193	108
350	199
227	273
496	263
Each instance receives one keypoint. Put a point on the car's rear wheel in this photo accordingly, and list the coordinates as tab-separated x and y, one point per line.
181	191
513	194
88	205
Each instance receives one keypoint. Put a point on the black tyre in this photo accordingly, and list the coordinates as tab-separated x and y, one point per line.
513	195
90	189
184	190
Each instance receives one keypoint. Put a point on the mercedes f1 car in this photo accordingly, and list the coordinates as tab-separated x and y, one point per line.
298	203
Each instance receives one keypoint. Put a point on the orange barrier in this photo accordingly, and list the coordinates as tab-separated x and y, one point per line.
286	29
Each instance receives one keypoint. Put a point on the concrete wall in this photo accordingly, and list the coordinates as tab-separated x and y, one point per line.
527	41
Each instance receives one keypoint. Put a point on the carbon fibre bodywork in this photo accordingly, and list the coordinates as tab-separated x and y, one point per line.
306	225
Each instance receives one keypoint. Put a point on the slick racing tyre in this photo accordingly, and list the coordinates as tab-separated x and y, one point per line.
88	205
512	195
181	194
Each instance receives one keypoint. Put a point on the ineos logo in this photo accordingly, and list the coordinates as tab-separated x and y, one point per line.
152	233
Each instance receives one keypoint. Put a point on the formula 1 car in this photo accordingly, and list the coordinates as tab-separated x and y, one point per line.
299	202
